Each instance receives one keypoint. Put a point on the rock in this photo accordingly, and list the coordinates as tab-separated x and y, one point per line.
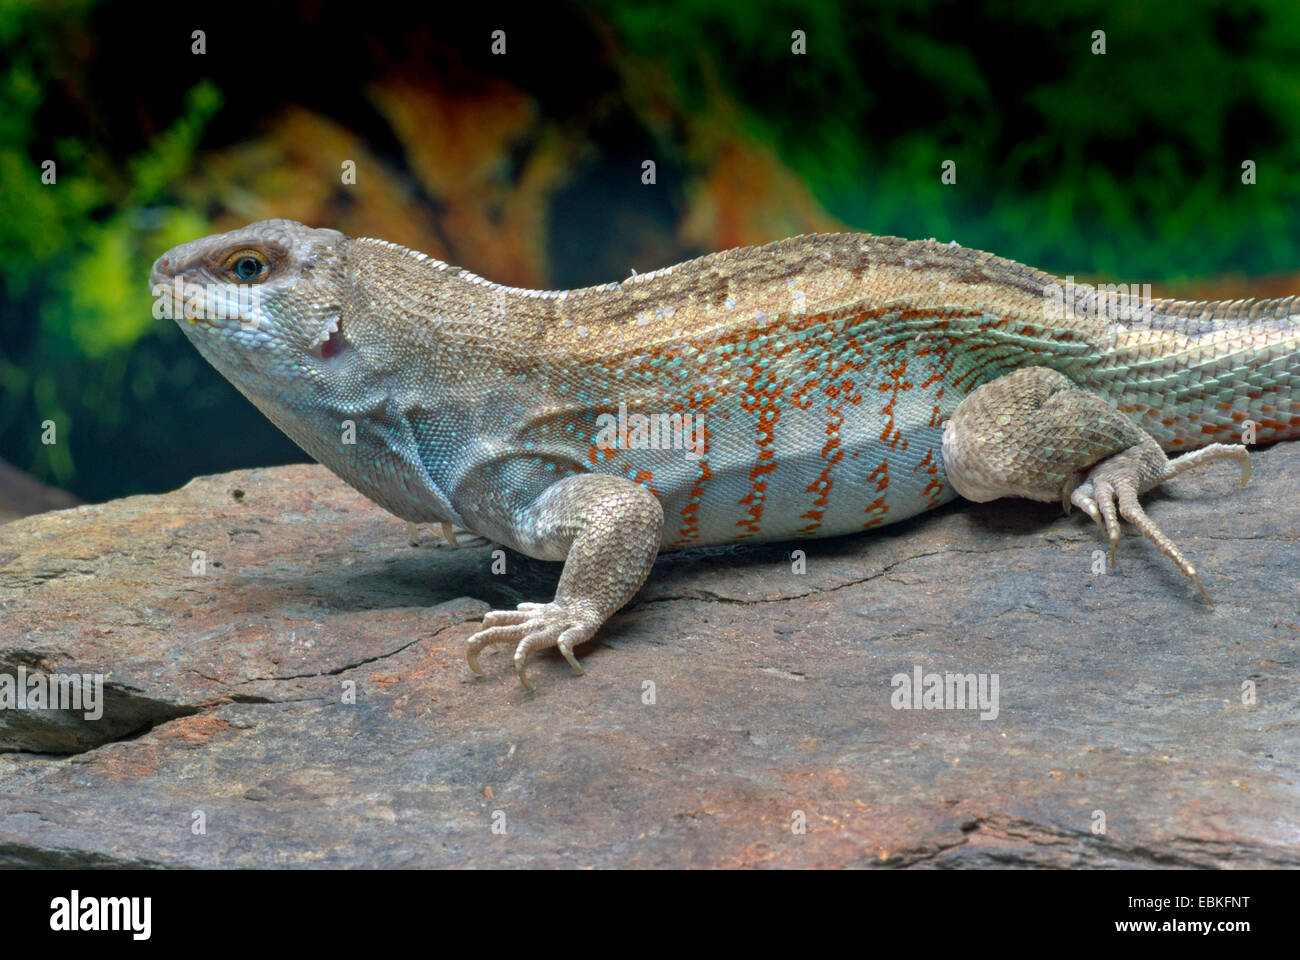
734	698
22	495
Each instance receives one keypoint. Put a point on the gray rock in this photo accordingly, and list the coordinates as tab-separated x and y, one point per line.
734	698
22	495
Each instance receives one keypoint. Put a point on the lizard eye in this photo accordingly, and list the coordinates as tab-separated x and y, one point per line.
247	265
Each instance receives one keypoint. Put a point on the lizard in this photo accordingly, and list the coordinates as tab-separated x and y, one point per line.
814	386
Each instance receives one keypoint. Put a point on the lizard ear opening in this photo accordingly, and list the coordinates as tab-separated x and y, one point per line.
333	345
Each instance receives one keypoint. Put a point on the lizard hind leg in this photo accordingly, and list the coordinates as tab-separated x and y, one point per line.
1032	433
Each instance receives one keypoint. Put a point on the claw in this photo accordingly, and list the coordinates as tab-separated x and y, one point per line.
1191	572
521	662
566	650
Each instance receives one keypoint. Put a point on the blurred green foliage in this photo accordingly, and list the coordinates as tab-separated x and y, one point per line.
1127	163
72	252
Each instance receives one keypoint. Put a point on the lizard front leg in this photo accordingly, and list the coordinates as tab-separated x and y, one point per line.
607	530
1033	433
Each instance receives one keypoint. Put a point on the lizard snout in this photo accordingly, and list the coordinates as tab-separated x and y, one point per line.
160	272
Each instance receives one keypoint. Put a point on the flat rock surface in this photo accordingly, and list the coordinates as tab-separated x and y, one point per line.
285	685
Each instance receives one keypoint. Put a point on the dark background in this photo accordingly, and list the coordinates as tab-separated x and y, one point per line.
526	168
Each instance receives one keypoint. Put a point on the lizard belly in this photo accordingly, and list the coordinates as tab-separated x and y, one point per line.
804	474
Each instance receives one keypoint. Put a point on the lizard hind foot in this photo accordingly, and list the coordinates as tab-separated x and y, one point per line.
1120	490
1032	433
531	626
1119	480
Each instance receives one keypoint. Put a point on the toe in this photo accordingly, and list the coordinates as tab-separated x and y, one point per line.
490	636
568	640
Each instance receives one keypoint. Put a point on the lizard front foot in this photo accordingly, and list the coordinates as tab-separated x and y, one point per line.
534	626
607	529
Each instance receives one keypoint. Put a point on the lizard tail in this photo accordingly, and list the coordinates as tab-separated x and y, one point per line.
1194	373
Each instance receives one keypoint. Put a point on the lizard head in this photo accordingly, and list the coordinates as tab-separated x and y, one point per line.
262	304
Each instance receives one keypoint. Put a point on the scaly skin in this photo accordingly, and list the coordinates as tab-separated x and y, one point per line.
823	369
